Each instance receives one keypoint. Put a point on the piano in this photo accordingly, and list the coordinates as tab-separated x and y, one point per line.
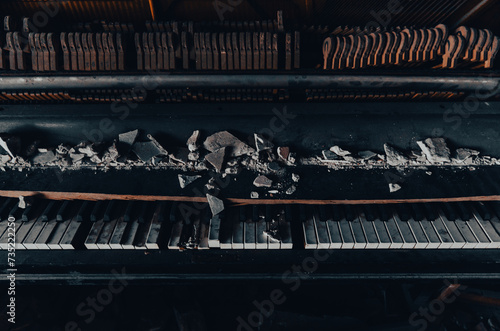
200	140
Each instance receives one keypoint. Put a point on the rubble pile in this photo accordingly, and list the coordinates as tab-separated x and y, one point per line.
222	154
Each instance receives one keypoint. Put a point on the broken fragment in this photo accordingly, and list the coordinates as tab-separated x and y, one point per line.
262	181
464	153
435	150
339	151
331	156
182	155
128	138
216	159
295	178
216	204
185	180
366	155
394	187
147	150
10	144
21	204
291	190
225	139
394	157
254	195
261	143
283	153
192	142
44	158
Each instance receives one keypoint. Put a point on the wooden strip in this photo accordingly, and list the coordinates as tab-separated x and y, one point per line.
106	196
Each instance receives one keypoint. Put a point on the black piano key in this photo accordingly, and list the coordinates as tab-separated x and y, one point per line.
26	212
108	211
14	212
144	221
482	209
95	230
44	236
369	212
463	211
403	212
60	213
381	229
83	211
345	230
77	230
451	226
132	227
94	215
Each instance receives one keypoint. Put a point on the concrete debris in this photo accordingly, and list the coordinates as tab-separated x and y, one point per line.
128	138
295	178
232	170
262	181
465	153
86	149
4	158
291	190
111	154
157	144
185	180
394	187
435	150
283	153
75	157
182	155
273	166
10	144
292	157
193	156
216	204
339	151
216	158
261	143
21	204
366	155
44	158
254	195
62	149
146	150
96	159
331	156
394	158
273	191
225	139
428	173
192	142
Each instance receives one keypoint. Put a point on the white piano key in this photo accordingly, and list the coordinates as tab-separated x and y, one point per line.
409	241
155	235
285	228
458	240
238	230
226	231
249	227
260	228
488	229
307	218
323	236
372	240
175	237
333	229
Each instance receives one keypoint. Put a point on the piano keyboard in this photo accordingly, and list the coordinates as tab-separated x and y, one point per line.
90	225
